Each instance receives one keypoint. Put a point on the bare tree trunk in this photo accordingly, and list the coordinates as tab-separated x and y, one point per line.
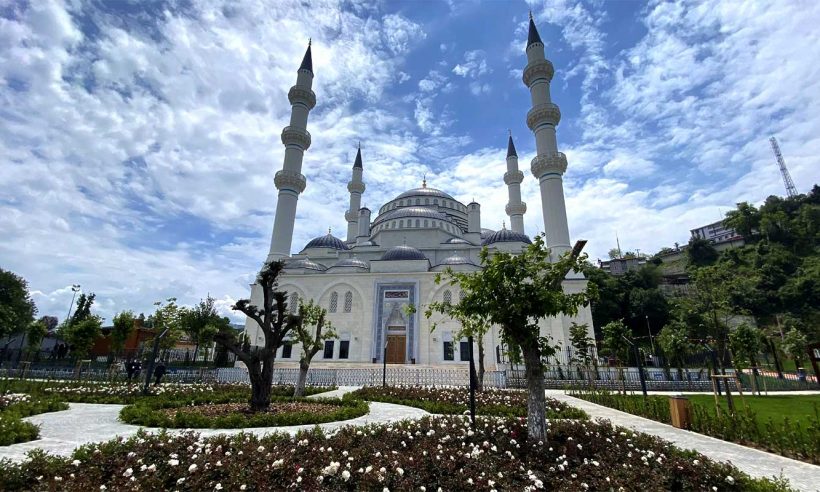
480	382
304	365
261	381
536	400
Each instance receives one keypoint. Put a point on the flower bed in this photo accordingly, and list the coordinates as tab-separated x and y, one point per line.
792	438
501	403
14	407
440	453
226	412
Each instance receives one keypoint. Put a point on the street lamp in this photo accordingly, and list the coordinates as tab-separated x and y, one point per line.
651	342
74	288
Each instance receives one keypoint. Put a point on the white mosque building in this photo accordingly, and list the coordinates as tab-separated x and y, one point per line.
389	261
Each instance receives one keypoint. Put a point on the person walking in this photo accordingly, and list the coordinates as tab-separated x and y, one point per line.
129	369
159	371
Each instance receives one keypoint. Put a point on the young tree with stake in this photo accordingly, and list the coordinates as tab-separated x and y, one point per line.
311	331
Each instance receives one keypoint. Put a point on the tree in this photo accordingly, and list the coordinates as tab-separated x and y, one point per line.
616	338
745	220
582	344
274	321
167	316
123	326
81	335
701	253
745	343
311	331
614	253
516	292
51	322
201	323
17	309
795	345
673	340
83	309
35	333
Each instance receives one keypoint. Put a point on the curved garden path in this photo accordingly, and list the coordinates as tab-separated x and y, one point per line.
84	423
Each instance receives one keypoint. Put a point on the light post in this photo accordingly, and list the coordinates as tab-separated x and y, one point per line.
649	330
74	288
638	361
473	381
384	364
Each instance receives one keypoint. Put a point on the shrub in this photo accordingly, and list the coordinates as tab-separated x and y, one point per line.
14	407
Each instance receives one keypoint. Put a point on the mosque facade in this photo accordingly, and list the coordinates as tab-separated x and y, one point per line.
376	281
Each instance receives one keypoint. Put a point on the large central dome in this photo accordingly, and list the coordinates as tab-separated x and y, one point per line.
424	191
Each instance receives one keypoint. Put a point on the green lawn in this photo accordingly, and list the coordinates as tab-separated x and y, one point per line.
795	407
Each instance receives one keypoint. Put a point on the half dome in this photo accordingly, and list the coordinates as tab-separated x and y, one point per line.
327	241
505	236
456	260
352	263
456	240
399	253
403	212
304	263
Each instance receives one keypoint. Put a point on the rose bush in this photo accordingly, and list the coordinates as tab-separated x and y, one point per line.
432	454
14	407
456	400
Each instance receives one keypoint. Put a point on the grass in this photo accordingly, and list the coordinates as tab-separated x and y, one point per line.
778	408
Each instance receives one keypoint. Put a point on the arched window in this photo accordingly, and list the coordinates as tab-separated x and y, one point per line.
461	296
426	223
401	224
348	301
418	222
334	301
293	305
418	201
448	296
427	201
435	201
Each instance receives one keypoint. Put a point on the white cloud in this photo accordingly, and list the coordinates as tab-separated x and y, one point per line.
474	65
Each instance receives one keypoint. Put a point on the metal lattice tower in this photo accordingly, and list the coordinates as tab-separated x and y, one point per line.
787	179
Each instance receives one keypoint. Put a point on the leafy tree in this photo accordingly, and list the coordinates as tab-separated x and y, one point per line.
83	309
516	292
614	253
745	220
82	334
51	322
701	253
17	309
123	326
274	321
795	345
582	345
201	323
745	342
35	333
616	340
674	342
168	315
311	331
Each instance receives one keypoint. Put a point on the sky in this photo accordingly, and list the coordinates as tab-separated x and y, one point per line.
138	140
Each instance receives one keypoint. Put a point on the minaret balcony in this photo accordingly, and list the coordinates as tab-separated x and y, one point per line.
543	113
538	69
351	216
516	209
553	163
290	180
513	177
302	95
355	187
293	135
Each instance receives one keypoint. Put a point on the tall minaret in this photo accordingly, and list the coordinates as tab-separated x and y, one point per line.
356	188
289	181
549	164
513	178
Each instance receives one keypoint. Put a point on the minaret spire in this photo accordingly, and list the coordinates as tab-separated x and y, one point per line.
290	181
356	187
549	165
513	177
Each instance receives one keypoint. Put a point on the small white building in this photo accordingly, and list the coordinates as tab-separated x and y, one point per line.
369	280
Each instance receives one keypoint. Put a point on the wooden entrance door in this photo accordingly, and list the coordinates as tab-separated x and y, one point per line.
396	349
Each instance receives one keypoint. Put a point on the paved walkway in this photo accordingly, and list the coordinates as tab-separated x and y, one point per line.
756	463
85	423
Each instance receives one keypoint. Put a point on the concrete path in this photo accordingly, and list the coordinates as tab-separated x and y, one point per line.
83	423
337	393
802	476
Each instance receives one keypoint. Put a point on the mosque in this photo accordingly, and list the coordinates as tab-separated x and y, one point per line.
388	262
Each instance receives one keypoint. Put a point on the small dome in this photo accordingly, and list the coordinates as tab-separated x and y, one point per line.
399	213
505	236
352	263
397	253
485	233
456	260
304	263
327	241
456	240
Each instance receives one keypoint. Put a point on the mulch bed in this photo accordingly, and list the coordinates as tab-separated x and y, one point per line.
222	409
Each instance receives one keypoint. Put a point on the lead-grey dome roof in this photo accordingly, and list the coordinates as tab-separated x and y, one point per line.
399	213
327	241
304	263
456	240
424	192
506	236
456	260
352	263
397	253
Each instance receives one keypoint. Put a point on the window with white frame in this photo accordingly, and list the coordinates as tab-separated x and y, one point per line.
447	296
334	301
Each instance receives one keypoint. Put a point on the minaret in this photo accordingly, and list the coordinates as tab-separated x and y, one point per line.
548	165
513	178
289	181
356	188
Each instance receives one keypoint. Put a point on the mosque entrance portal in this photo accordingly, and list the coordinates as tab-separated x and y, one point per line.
396	349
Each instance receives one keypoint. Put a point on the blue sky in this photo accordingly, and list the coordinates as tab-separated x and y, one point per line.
138	140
